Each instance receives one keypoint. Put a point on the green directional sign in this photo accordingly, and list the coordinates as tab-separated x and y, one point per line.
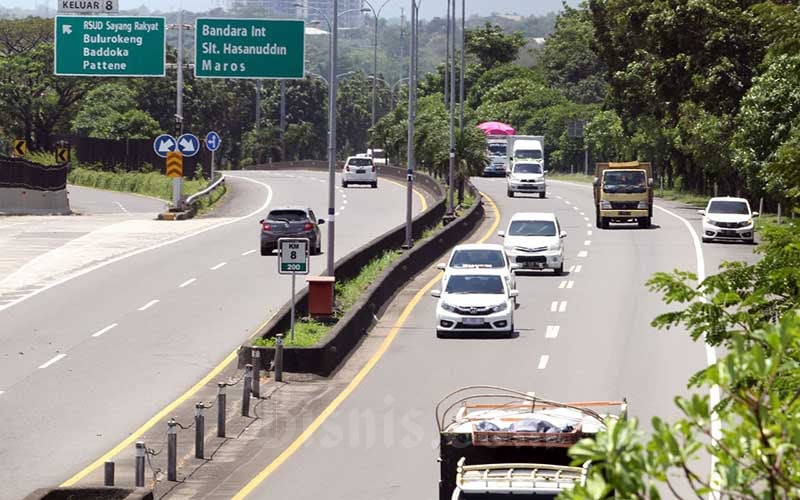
249	48
109	46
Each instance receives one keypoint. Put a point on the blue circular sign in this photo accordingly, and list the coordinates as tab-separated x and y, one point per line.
188	144
164	144
213	141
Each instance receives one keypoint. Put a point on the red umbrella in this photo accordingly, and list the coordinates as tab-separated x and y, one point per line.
496	128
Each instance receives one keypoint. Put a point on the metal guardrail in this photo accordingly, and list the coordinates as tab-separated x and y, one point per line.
205	192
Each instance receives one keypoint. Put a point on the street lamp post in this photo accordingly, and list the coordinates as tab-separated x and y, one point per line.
377	15
412	113
450	197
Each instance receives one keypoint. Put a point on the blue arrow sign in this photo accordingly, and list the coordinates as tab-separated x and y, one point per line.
164	144
188	144
213	141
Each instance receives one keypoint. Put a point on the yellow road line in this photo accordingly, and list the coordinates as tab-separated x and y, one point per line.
328	411
157	418
419	195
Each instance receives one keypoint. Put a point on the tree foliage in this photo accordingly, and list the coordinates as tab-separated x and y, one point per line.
492	46
109	112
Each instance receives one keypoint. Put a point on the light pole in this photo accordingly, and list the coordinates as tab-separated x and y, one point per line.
461	79
450	197
375	53
412	113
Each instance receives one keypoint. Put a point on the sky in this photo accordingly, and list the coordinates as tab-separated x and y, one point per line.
428	8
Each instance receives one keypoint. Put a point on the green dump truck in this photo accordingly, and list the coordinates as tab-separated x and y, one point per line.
623	192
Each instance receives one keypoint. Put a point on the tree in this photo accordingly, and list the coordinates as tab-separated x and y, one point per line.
260	145
491	78
109	112
492	46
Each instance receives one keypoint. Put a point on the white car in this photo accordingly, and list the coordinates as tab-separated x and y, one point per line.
526	177
727	218
535	241
475	301
479	256
359	170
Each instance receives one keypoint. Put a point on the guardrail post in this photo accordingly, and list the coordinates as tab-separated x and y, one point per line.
140	451
108	473
256	372
279	358
172	450
221	409
246	388
199	430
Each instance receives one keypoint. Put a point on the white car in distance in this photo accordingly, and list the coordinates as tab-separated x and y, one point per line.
479	256
535	240
475	301
727	218
526	177
359	170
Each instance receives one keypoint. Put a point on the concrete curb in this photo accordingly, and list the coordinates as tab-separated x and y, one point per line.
91	493
324	358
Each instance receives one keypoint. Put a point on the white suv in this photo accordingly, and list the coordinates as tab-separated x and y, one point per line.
359	170
475	301
526	177
535	241
727	218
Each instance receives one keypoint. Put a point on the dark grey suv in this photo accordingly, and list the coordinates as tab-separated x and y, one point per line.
290	222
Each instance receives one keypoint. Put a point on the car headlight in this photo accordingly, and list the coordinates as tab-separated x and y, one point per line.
746	223
448	307
642	205
554	246
500	307
712	222
605	205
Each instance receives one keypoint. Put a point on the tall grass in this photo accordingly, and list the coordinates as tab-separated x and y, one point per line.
145	183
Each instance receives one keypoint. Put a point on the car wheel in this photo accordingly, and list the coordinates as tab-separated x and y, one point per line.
644	222
344	184
706	240
541	195
510	194
560	269
375	185
440	334
511	331
603	222
265	251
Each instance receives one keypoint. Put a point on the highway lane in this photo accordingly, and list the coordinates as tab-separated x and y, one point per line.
87	361
582	336
85	200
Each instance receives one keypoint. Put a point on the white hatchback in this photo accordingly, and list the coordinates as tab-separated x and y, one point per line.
727	218
359	170
475	301
535	241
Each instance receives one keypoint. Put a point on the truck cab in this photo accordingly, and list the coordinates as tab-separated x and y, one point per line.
623	192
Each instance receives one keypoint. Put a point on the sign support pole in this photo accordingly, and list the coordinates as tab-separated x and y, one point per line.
294	275
178	181
212	166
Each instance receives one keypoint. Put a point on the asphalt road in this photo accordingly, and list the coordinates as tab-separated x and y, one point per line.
84	363
84	200
582	336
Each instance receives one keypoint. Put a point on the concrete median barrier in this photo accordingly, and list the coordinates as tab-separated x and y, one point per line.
97	493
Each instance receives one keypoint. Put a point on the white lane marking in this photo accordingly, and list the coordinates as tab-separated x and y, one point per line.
563	306
55	359
543	361
587	220
149	305
588	233
552	331
147	249
711	354
187	282
578	268
581	213
586	243
563	284
104	330
570	284
572	268
583	253
1	392
217	266
559	197
567	202
588	225
554	306
345	202
248	252
125	210
575	208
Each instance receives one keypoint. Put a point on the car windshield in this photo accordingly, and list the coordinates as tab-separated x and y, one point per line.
497	149
360	162
478	258
626	181
484	284
528	168
532	228
288	215
728	207
528	154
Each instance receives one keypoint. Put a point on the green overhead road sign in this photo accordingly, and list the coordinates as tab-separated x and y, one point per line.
249	48
109	46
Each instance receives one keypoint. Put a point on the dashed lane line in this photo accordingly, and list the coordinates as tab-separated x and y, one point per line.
563	284
543	361
104	330
589	232
248	252
578	268
563	306
570	284
218	266
149	305
187	282
552	331
554	306
52	361
583	253
587	243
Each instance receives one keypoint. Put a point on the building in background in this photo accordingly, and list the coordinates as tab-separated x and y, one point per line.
287	9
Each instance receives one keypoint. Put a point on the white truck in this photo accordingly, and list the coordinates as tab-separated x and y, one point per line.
497	154
496	442
526	170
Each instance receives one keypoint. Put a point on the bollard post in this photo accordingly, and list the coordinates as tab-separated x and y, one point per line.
761	206
140	464
246	387
279	358
108	473
199	431
221	409
779	213
172	450
256	373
